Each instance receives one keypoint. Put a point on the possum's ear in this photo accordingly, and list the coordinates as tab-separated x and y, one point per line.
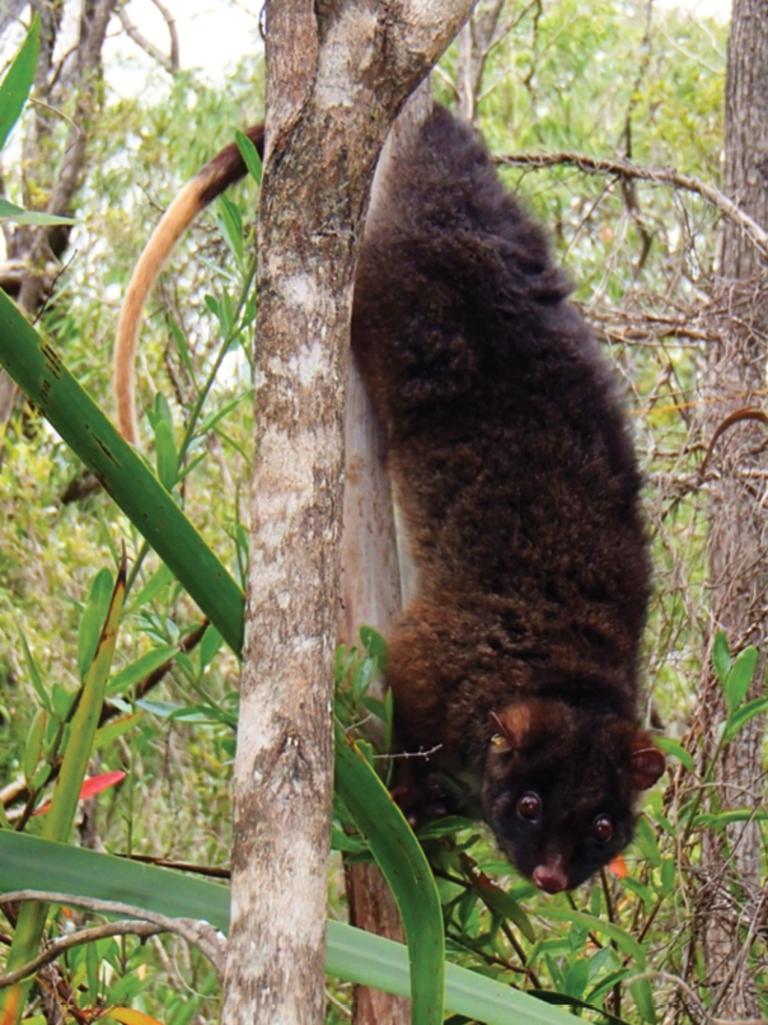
524	724
647	762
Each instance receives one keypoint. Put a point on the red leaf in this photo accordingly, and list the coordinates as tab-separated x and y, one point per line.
91	786
619	867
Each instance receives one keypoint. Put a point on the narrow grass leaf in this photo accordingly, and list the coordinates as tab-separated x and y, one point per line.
10	212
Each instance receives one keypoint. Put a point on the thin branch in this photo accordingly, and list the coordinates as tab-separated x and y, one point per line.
58	946
167	63
737	416
170	21
659	175
208	940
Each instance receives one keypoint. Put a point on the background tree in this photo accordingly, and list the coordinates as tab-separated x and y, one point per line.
731	900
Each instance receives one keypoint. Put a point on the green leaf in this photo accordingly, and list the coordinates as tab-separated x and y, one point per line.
576	977
668	875
721	658
159	580
250	155
10	212
506	906
375	645
15	87
640	989
34	672
92	619
231	226
645	838
62	701
351	954
166	454
141	668
445	825
742	716
727	818
181	344
106	735
341	841
209	646
33	749
739	677
674	749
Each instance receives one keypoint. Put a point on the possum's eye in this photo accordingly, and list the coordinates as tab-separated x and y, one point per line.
602	829
529	806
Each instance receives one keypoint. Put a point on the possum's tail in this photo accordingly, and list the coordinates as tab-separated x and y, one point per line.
218	174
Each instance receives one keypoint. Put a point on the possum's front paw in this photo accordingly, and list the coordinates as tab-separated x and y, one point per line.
419	796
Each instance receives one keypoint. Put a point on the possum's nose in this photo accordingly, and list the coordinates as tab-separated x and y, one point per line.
550	878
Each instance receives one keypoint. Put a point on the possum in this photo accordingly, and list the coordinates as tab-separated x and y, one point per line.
516	663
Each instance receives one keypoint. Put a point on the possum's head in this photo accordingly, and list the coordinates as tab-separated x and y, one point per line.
559	788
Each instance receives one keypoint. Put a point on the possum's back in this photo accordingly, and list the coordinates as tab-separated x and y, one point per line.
508	446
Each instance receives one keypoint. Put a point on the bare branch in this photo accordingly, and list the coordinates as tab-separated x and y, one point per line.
76	939
208	940
169	63
11	11
757	235
170	21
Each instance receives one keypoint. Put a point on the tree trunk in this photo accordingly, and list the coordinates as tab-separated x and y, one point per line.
337	74
738	538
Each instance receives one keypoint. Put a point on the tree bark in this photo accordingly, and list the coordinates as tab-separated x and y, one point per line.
738	538
337	74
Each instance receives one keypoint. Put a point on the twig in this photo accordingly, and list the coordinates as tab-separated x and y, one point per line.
659	175
201	934
58	946
167	63
170	21
693	997
735	417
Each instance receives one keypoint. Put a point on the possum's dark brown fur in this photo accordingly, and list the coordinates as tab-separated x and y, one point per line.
513	466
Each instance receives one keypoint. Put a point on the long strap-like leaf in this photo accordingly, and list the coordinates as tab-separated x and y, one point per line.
39	372
354	955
